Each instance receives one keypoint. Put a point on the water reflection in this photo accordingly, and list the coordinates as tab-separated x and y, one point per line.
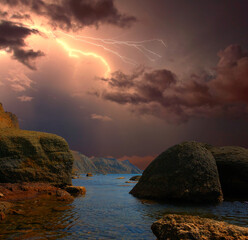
39	219
107	211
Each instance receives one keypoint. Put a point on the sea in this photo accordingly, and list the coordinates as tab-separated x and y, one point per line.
107	211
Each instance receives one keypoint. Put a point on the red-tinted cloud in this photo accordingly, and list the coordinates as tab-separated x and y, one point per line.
75	14
162	94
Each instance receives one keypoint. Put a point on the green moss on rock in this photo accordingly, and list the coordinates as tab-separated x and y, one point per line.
29	156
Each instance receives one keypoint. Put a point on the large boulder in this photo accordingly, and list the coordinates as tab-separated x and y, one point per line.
27	156
179	227
232	163
186	172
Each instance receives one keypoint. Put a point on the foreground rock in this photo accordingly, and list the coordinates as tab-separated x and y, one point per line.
27	156
179	227
232	163
13	192
185	172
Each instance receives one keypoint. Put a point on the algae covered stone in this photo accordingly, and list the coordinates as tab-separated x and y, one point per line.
28	156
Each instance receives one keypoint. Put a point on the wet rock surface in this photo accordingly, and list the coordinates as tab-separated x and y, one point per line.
135	178
177	227
76	191
23	191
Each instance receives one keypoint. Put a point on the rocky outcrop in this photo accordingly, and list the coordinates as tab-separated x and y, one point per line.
83	164
185	172
232	163
7	119
27	156
179	227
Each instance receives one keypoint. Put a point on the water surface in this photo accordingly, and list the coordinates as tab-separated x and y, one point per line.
107	211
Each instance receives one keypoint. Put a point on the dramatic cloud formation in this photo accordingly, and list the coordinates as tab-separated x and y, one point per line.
101	117
162	94
12	39
64	14
74	14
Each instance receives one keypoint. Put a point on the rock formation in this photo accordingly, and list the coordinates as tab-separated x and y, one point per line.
232	164
178	227
28	156
83	164
184	172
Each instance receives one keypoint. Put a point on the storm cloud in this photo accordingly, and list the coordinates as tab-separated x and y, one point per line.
12	39
75	14
160	93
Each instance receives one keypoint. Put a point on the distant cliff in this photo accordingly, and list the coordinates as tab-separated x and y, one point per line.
83	164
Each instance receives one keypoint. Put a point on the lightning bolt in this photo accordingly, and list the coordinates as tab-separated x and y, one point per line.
72	53
139	45
3	52
100	43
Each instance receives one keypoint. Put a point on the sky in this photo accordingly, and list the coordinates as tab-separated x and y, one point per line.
127	78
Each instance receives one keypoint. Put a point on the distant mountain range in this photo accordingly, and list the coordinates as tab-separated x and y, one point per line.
84	164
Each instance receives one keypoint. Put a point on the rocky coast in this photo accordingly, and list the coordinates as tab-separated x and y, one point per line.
196	173
32	165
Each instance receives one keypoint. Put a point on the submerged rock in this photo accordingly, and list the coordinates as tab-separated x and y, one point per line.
179	227
75	191
135	178
28	156
184	172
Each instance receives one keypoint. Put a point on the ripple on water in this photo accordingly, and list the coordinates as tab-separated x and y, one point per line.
106	212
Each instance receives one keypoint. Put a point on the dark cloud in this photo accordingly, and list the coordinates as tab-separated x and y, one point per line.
12	39
74	14
20	16
13	35
162	94
27	57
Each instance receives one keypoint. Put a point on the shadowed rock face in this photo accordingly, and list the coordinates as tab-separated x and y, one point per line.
232	163
27	156
185	172
179	227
